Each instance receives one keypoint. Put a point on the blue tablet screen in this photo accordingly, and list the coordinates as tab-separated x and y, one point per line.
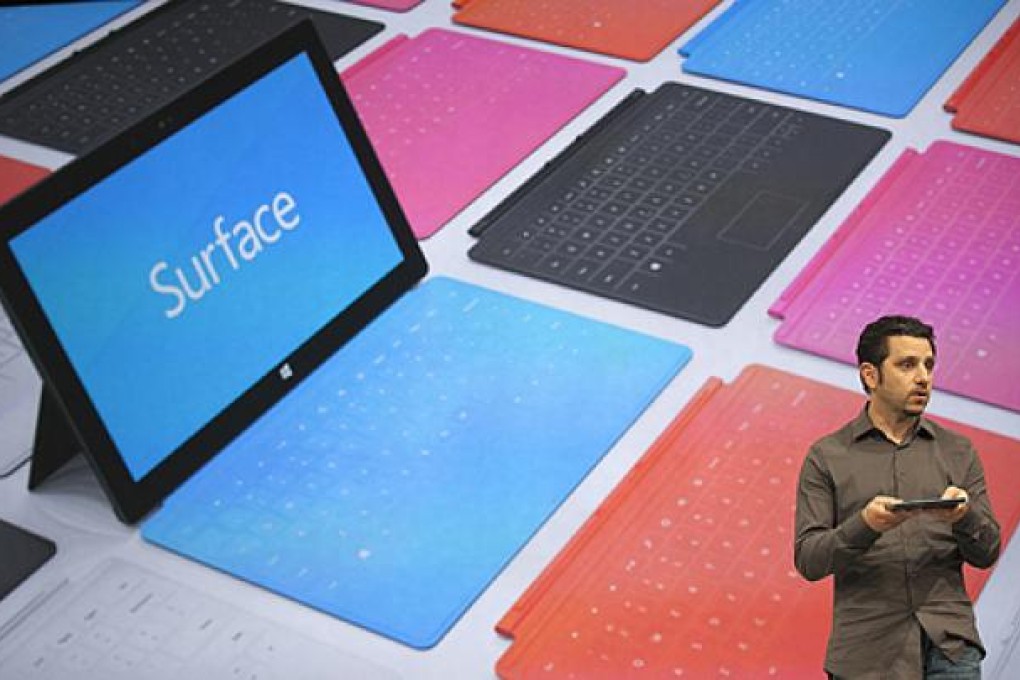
181	279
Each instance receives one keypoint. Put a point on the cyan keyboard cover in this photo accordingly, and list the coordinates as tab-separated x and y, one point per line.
392	486
880	56
686	569
31	31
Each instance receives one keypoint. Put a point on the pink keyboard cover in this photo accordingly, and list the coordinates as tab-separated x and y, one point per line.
395	5
449	113
937	238
686	569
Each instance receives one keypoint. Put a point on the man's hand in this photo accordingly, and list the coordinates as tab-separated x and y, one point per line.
952	515
877	514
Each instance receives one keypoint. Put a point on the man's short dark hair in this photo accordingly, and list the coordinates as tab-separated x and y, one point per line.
873	345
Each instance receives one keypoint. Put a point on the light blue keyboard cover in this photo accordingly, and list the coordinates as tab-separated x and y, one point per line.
393	485
880	56
31	31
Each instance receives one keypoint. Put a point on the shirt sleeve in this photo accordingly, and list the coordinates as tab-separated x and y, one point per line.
820	546
977	533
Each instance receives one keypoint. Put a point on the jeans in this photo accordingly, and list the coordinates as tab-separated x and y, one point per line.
938	667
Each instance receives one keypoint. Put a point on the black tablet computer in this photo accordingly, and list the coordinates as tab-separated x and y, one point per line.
927	504
174	284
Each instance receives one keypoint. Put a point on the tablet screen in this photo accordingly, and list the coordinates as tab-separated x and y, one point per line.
186	275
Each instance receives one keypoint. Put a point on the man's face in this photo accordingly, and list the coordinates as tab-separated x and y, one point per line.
902	384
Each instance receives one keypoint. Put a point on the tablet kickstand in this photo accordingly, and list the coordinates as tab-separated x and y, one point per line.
55	441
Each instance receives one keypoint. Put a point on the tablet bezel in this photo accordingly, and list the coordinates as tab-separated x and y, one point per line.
133	499
928	504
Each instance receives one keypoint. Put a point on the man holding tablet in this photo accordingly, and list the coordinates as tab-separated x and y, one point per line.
892	505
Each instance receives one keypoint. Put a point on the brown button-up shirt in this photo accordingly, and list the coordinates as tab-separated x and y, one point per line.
888	586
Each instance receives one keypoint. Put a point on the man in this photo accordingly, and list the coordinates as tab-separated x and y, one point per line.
900	607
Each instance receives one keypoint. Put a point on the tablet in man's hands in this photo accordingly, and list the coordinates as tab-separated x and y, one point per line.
927	504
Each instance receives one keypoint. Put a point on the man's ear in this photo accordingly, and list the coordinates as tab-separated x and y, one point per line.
870	376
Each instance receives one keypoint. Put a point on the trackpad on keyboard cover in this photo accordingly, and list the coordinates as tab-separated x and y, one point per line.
762	221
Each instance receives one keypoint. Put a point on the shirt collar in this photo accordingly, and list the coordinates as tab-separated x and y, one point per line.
861	427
